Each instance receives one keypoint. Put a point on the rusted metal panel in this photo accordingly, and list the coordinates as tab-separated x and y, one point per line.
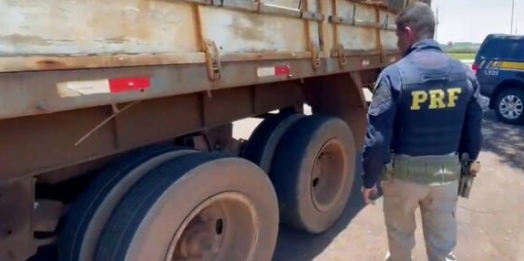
140	32
96	27
239	32
33	141
33	93
138	27
360	29
388	38
46	143
163	41
54	62
352	37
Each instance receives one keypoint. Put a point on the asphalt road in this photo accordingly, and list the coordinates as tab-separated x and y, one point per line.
491	221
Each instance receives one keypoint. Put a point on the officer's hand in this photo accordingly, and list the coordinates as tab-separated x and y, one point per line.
367	193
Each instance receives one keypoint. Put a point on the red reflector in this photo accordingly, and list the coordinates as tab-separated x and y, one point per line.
475	68
282	70
129	84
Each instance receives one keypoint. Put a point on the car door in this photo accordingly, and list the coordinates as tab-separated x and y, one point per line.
488	58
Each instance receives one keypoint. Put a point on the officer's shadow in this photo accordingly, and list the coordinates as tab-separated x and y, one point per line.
297	246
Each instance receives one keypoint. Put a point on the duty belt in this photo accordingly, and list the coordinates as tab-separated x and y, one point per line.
426	170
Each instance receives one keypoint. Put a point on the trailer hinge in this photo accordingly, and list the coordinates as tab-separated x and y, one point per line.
315	55
341	56
212	60
217	3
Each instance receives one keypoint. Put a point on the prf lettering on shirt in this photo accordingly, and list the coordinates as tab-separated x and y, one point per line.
435	99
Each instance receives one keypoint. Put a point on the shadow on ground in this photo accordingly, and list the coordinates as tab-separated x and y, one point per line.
504	140
297	246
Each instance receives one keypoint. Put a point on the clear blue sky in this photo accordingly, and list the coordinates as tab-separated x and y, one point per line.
472	20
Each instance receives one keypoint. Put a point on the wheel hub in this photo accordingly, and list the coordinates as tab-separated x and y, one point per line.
328	175
206	236
201	240
511	107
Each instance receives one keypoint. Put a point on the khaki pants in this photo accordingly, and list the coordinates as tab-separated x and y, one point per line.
437	205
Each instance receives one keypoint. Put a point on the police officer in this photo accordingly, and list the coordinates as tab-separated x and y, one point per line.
425	112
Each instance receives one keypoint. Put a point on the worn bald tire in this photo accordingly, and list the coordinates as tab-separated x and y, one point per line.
263	142
313	172
86	218
195	207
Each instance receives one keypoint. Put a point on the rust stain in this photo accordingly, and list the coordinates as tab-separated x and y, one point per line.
25	39
50	64
12	64
147	9
370	35
117	40
117	20
248	27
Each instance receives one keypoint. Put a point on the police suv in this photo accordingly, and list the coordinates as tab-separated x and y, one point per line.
499	66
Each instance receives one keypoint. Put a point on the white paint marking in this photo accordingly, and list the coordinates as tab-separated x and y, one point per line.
265	71
79	88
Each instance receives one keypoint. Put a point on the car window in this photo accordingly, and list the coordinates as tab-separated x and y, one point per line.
519	49
504	49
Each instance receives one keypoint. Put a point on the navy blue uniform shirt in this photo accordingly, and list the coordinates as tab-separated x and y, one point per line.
383	110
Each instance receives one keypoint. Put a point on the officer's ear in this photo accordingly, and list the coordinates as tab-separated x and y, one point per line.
403	32
407	31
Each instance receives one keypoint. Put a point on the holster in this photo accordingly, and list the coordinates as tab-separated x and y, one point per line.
468	172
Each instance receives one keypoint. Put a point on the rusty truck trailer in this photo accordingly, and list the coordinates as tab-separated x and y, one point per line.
116	123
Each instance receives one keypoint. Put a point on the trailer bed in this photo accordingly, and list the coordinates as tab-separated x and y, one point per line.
139	49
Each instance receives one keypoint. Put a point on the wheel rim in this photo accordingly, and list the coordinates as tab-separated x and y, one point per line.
328	175
511	107
221	228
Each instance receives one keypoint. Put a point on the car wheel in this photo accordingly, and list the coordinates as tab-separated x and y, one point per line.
509	106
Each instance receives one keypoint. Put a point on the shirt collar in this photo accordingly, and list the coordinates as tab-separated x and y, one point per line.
425	44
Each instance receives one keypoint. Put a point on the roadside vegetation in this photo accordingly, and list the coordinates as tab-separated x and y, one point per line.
462	56
461	50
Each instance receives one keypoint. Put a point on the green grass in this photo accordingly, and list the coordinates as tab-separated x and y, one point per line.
463	56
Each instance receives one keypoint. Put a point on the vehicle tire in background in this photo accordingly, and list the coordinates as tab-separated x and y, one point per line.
196	207
87	217
263	142
509	106
313	172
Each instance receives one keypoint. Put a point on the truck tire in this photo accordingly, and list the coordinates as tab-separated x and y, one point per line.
313	192
195	207
509	106
262	143
86	218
